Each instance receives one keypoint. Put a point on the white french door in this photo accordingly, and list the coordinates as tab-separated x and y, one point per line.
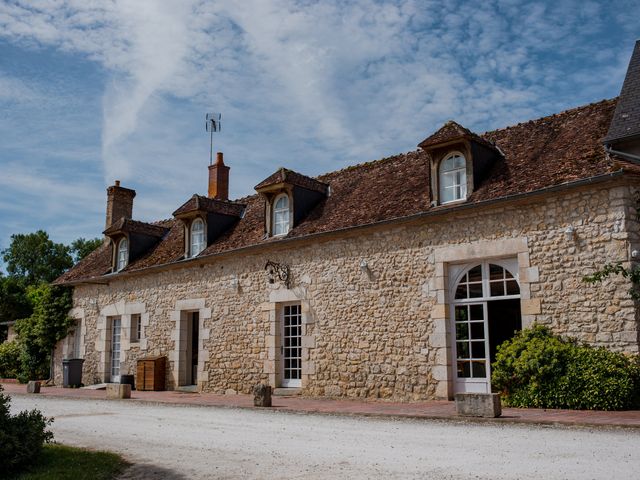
291	345
115	349
485	311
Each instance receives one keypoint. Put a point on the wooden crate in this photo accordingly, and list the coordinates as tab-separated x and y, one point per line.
151	373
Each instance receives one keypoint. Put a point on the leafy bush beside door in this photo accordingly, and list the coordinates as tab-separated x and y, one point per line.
539	369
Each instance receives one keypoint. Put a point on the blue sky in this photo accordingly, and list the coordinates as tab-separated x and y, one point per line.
93	91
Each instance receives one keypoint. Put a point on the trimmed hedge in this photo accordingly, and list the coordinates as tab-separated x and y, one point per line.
10	363
539	369
22	436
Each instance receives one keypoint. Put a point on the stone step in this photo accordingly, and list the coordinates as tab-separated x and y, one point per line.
187	389
97	386
286	392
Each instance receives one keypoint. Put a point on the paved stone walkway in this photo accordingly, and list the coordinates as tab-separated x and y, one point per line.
440	410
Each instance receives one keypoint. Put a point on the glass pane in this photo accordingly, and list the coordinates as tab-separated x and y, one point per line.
475	274
512	288
446	194
477	349
477	312
477	330
463	189
462	331
461	291
458	161
496	272
507	274
475	290
497	288
464	370
462	350
479	370
461	313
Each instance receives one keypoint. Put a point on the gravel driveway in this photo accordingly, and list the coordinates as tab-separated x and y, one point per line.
175	442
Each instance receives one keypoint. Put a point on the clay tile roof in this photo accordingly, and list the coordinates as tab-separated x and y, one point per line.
547	152
199	203
284	175
626	119
134	226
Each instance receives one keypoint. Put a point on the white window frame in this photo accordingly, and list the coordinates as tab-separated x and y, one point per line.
457	273
122	256
197	239
456	176
281	226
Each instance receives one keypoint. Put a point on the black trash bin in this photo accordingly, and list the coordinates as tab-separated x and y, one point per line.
128	380
72	372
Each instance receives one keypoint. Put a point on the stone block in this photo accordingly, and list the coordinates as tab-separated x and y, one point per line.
486	405
118	390
262	395
33	387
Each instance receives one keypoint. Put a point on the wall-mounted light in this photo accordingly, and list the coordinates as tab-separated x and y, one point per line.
635	254
235	284
364	266
570	232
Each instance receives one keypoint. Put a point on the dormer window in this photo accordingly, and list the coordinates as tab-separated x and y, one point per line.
453	178
281	215
198	243
123	254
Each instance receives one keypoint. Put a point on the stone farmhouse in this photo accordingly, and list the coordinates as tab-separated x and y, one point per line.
392	279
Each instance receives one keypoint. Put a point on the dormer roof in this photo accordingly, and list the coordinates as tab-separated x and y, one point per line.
452	132
284	176
199	203
127	225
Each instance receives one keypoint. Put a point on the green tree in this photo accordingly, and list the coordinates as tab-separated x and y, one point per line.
81	247
14	303
48	324
35	258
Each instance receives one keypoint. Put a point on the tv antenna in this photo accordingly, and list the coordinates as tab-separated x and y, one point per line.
214	124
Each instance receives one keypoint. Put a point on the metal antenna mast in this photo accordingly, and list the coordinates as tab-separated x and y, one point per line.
214	124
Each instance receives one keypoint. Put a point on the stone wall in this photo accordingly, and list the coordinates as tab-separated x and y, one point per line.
380	331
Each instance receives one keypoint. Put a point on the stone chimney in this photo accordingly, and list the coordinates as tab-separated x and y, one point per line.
219	179
119	203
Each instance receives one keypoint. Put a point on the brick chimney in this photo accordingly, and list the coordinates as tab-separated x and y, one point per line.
219	179
119	203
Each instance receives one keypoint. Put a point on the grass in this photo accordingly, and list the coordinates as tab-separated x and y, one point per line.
67	463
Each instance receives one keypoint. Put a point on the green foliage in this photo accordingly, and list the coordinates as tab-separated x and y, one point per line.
539	369
14	303
10	364
48	324
59	462
21	436
633	274
81	247
35	258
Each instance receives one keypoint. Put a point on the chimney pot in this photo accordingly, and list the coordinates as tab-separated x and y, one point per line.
117	183
219	179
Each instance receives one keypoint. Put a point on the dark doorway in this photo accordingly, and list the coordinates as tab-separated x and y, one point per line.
192	357
504	321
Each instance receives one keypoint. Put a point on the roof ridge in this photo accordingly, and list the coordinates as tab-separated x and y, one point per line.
557	114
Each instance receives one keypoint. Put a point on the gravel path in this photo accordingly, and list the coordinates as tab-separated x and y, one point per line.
174	442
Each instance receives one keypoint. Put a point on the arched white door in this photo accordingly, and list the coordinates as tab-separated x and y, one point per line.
485	311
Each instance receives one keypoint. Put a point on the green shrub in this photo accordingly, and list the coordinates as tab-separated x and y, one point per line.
539	369
21	436
9	359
